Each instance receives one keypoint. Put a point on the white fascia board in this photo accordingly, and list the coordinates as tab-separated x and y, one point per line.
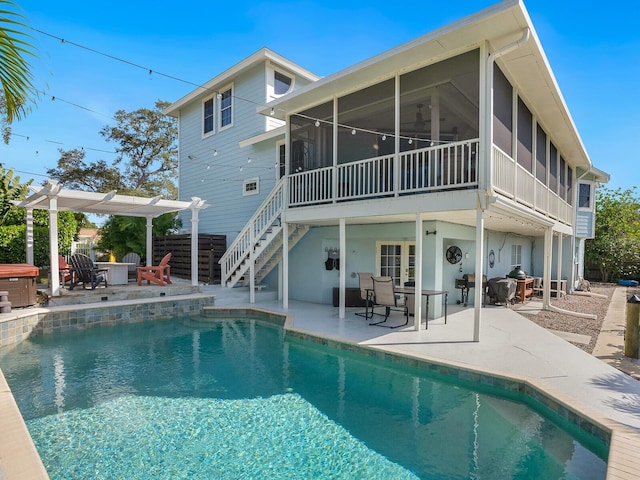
231	73
276	132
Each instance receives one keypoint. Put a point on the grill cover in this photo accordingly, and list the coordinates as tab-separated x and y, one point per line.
502	290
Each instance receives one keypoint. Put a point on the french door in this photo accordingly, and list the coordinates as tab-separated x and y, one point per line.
396	260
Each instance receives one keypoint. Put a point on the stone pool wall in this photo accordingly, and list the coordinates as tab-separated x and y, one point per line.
20	324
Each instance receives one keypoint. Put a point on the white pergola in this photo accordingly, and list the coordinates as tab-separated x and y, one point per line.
54	198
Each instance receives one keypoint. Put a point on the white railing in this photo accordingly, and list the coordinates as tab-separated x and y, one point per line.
450	166
268	213
504	173
542	196
313	186
553	205
453	165
365	178
525	186
513	181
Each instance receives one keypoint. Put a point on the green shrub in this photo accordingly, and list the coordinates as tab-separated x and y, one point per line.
13	239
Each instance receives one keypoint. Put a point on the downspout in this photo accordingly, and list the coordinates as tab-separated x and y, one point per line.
488	141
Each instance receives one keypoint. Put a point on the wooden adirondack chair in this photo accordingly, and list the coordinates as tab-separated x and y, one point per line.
159	274
132	257
86	272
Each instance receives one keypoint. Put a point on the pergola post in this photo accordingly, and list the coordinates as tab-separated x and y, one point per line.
53	244
149	240
30	236
194	247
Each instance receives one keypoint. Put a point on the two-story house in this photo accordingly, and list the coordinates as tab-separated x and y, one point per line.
453	153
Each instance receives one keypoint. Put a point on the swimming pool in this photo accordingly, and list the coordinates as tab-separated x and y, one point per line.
239	399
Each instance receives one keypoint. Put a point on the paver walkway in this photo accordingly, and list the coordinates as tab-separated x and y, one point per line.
610	344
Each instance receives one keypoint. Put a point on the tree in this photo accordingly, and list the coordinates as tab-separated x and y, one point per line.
147	144
13	224
122	235
615	250
15	75
146	162
10	189
74	173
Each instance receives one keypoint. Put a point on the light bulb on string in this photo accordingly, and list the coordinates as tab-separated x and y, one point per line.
410	141
272	112
384	137
353	132
215	153
317	123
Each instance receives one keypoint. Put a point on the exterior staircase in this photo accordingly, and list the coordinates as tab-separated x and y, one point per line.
259	241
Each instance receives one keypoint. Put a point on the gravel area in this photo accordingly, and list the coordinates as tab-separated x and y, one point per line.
577	303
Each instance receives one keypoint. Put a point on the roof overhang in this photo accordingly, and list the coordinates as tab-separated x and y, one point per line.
271	134
103	203
527	68
228	75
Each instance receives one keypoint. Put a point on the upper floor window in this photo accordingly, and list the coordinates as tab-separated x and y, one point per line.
281	83
207	116
226	107
584	195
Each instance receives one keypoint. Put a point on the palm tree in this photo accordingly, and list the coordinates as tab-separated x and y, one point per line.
15	75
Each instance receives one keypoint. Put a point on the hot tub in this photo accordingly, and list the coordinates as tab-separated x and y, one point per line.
19	279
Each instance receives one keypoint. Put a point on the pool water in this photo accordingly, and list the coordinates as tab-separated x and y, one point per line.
236	399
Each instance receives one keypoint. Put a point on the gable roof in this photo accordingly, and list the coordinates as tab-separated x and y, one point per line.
502	24
261	55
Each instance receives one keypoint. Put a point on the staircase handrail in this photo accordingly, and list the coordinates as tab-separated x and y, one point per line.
262	219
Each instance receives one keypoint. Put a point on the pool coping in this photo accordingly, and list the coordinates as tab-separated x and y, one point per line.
19	458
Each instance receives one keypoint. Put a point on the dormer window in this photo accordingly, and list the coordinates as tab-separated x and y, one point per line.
281	83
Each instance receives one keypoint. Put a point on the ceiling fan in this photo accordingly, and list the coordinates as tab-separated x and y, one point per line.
420	123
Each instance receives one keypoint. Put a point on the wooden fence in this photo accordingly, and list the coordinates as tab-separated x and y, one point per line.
210	249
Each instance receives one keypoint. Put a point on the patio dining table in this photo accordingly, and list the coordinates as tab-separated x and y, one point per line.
411	291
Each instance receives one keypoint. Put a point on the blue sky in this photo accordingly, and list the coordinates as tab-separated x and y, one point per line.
594	51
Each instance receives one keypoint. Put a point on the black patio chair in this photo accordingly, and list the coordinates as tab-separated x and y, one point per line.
86	272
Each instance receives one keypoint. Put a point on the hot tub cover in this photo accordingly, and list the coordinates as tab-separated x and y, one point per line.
18	270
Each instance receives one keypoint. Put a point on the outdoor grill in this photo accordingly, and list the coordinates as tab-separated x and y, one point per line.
467	282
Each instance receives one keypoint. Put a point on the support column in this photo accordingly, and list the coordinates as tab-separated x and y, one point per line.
478	292
194	246
285	265
559	264
252	263
548	256
30	236
53	245
343	266
417	298
149	253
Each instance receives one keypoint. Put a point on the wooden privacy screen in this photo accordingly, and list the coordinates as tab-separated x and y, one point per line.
210	249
